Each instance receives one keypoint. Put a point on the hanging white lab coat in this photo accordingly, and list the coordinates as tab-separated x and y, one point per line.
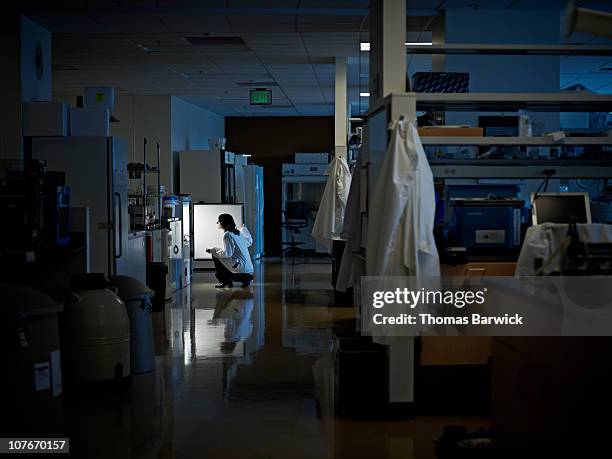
402	209
330	216
400	240
351	231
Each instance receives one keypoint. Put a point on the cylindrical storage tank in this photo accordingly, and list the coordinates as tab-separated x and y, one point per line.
96	333
137	298
30	352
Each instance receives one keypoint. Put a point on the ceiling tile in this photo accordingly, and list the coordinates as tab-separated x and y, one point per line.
263	3
269	23
196	23
334	4
191	3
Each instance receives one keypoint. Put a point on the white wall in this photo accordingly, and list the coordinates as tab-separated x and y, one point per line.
174	123
33	88
145	116
191	127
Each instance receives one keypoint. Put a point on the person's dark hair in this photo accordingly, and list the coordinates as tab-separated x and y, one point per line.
228	224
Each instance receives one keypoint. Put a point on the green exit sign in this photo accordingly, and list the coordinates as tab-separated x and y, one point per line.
261	97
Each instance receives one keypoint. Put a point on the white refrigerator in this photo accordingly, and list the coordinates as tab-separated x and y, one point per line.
208	176
96	171
254	207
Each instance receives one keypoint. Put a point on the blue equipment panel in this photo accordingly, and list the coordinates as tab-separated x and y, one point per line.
485	223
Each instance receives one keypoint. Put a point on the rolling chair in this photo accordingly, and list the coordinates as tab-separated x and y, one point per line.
295	218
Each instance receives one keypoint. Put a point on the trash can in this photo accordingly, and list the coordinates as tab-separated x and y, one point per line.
137	299
30	350
156	280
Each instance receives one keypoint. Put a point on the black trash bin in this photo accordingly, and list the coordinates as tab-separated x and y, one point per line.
360	373
156	281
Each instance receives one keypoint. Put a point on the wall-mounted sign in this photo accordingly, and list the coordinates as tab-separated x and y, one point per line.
261	97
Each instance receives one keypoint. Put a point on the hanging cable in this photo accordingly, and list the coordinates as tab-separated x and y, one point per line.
548	173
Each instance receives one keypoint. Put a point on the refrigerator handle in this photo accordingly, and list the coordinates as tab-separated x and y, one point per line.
120	229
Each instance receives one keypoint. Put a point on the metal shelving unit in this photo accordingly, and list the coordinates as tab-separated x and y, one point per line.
519	169
144	197
535	102
517	141
392	107
511	50
508	102
145	194
408	104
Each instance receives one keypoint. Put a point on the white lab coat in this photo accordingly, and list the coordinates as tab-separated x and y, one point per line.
235	254
544	242
401	210
351	231
330	216
400	240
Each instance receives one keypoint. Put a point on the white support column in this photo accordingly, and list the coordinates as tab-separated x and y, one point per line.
340	118
388	75
401	370
387	48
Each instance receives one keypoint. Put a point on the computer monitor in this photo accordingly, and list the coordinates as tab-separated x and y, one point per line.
560	208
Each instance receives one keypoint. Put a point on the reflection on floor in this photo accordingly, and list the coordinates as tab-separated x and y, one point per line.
235	380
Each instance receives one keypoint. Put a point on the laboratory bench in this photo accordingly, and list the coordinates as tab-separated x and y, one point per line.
462	362
463	350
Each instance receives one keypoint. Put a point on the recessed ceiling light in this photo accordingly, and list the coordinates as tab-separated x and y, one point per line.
365	46
364	94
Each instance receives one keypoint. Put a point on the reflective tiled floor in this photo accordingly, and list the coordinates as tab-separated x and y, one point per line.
244	373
